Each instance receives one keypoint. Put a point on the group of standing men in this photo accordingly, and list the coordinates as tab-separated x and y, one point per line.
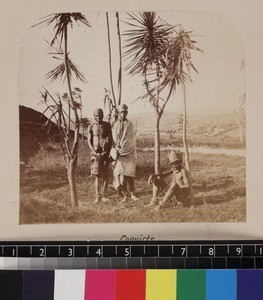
113	158
113	150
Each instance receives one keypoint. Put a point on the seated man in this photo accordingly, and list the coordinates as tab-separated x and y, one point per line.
179	187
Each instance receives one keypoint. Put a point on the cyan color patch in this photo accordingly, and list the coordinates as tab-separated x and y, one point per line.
221	285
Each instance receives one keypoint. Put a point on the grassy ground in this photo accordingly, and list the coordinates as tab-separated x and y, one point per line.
218	181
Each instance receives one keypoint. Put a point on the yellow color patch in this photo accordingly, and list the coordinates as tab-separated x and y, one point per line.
161	284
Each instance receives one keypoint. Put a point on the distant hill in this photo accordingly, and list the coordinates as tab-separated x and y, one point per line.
33	122
35	129
27	114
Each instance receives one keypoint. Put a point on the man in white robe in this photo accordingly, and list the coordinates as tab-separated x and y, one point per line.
124	143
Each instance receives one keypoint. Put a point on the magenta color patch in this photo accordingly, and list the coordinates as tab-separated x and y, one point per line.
100	285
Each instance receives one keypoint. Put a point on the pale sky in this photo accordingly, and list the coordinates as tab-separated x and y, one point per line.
215	89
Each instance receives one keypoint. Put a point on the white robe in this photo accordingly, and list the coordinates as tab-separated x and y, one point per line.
125	142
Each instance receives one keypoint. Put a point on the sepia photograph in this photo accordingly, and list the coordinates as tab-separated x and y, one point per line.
132	117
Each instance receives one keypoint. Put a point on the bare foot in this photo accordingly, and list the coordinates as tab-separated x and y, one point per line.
104	199
157	208
133	197
152	203
96	201
125	198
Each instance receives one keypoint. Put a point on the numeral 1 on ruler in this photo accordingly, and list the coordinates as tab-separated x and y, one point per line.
9	251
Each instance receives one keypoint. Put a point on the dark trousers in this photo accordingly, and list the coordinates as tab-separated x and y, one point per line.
128	185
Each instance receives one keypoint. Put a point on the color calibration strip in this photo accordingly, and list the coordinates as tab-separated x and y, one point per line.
131	255
132	284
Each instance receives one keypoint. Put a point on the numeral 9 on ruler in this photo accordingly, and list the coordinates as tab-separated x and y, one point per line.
235	250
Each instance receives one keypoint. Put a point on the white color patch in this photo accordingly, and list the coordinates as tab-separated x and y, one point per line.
69	284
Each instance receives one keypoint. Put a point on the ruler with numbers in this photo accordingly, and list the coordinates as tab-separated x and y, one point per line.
132	255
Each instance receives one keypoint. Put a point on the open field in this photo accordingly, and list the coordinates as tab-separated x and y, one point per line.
195	140
218	182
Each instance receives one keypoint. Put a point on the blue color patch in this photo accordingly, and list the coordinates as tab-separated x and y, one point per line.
221	285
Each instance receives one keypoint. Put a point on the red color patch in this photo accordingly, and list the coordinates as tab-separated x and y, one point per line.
130	284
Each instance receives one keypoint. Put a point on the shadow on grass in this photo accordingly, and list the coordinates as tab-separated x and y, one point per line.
225	197
220	183
38	181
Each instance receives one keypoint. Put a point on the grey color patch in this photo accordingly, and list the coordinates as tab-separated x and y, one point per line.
65	263
37	263
51	263
11	263
134	262
23	263
119	263
92	263
148	263
104	263
79	263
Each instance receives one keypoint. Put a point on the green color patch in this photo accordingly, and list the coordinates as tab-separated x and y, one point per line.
191	285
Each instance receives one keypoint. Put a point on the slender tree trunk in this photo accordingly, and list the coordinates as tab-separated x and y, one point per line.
72	162
82	126
157	162
71	168
240	117
120	58
69	114
240	125
185	145
110	65
82	134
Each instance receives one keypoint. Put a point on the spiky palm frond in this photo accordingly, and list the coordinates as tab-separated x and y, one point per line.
145	41
75	69
61	21
59	72
179	64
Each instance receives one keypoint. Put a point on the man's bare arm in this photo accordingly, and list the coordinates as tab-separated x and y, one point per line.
90	140
161	174
186	179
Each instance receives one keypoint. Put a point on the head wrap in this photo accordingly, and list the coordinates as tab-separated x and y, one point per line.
173	157
98	111
122	107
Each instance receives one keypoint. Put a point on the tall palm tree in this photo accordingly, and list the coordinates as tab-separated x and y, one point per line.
146	41
179	72
163	57
179	68
65	70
